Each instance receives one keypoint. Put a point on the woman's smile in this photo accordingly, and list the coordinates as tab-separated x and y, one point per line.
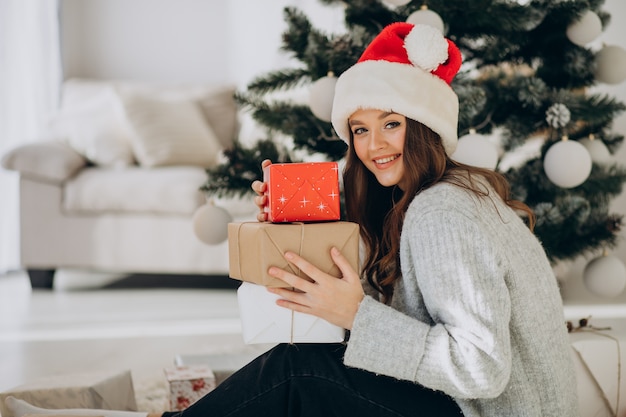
384	162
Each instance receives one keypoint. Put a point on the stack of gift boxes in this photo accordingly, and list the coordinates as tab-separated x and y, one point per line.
304	211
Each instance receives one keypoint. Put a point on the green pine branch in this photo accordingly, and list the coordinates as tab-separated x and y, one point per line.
234	177
280	80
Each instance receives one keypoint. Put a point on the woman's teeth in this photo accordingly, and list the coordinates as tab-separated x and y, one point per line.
385	160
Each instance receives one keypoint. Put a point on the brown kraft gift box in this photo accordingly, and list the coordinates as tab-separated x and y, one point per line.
254	246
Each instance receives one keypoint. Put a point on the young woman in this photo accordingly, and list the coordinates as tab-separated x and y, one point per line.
456	310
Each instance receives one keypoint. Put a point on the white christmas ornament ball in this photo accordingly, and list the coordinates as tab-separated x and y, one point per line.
605	276
398	2
585	30
210	224
597	149
476	150
426	17
611	64
321	97
567	164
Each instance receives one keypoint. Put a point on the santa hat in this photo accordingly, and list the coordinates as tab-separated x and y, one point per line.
407	69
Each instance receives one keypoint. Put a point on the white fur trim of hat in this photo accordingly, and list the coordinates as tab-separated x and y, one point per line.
406	69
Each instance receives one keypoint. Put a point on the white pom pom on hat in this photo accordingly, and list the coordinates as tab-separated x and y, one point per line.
406	69
426	48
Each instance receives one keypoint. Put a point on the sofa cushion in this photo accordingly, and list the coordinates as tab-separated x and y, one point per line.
95	128
169	131
215	101
164	190
219	108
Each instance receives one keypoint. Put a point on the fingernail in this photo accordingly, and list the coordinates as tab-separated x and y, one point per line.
288	255
334	251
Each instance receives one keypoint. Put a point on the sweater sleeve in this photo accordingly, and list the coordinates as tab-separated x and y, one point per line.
462	345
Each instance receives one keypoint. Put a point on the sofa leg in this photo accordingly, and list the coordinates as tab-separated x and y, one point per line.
41	278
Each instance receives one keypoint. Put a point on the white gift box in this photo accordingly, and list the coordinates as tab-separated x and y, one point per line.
599	361
263	321
108	391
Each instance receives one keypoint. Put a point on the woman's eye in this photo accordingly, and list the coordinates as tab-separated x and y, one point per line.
358	131
391	125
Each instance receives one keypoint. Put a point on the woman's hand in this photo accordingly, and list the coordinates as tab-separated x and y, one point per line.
333	299
260	187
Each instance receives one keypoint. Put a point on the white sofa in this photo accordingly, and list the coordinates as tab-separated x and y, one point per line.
115	185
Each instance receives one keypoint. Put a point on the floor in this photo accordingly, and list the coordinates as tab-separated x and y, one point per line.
143	325
61	331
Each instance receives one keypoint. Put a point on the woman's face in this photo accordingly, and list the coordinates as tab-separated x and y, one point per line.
378	140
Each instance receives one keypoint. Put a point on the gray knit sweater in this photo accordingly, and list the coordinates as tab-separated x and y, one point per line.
477	313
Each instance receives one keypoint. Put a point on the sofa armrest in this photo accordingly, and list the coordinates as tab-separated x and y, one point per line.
49	161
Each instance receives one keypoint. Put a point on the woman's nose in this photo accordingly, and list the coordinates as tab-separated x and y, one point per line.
377	140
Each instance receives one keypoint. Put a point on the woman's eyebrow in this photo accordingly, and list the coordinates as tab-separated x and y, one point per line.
382	116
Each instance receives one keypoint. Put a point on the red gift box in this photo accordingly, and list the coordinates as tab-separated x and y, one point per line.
302	192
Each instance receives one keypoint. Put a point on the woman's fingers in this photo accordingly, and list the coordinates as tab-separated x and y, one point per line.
260	200
291	279
333	299
348	273
259	187
304	266
294	300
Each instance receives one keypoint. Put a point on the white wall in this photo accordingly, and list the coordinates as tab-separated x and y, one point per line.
179	40
229	41
256	28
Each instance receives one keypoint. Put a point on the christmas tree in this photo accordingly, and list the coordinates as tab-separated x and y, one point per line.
526	105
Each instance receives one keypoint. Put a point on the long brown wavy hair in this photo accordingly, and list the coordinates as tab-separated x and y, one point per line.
380	210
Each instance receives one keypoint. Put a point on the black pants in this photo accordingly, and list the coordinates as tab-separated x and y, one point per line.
311	380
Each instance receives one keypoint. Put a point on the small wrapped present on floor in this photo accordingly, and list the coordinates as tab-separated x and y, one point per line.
254	246
106	390
599	356
263	321
187	384
302	192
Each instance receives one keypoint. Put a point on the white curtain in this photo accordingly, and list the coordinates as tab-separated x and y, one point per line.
30	76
